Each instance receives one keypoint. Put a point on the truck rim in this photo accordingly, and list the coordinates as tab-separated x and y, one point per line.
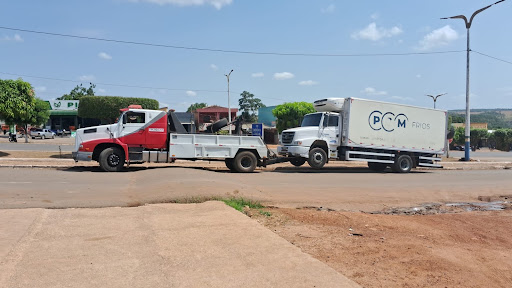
113	160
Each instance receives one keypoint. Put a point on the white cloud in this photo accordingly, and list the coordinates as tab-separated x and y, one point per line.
102	91
374	16
40	89
418	76
257	75
214	67
308	83
440	37
15	38
191	93
218	4
329	9
87	78
370	91
105	56
374	33
283	76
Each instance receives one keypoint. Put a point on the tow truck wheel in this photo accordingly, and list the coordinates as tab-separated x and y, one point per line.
230	164
298	161
317	158
112	159
245	162
403	164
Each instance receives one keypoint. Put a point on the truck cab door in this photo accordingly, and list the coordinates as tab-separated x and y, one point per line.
131	128
330	133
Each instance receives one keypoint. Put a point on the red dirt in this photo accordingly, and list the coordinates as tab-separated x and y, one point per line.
472	249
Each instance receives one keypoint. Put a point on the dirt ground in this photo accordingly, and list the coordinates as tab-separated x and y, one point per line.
470	249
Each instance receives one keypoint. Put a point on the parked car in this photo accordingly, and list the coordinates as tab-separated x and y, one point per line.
41	133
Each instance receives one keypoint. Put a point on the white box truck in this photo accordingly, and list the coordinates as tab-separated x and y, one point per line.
383	134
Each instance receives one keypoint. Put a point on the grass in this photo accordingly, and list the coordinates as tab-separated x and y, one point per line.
240	203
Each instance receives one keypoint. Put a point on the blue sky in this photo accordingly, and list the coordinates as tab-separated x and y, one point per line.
180	77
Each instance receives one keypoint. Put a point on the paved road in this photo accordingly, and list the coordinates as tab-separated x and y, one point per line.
351	189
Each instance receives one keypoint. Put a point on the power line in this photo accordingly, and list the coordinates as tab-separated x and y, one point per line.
116	85
495	58
126	86
224	51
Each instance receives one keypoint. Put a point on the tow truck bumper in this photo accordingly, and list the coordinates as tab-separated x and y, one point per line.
295	151
82	156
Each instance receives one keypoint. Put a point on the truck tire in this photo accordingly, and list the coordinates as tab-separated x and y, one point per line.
245	162
403	164
377	167
230	163
317	158
112	159
298	161
219	125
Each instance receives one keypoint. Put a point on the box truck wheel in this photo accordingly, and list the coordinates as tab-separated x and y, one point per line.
317	158
377	167
298	161
112	159
245	162
403	164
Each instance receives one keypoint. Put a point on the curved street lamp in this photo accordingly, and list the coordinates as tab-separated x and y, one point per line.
435	98
468	26
229	105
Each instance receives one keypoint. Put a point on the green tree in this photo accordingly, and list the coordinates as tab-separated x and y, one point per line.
501	139
19	106
290	115
196	106
249	105
78	92
107	108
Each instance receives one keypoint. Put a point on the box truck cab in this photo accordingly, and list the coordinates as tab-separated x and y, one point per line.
382	134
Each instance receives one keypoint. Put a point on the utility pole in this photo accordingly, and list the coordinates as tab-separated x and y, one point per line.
468	26
229	105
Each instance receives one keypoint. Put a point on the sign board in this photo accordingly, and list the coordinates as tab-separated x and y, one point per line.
64	104
257	130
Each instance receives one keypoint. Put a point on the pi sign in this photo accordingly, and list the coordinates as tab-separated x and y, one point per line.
257	130
387	121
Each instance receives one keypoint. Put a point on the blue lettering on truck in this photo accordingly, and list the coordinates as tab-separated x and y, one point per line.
387	121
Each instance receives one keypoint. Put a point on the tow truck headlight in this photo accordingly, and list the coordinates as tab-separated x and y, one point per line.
298	142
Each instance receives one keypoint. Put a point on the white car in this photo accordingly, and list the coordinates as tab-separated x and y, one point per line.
42	133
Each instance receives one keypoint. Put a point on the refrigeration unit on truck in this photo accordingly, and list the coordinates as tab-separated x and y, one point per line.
142	135
383	134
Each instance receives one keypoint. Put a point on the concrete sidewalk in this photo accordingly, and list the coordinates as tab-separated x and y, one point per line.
165	245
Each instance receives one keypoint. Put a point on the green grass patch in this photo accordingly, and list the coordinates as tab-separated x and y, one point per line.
240	203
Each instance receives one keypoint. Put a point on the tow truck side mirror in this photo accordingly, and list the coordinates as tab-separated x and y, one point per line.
124	120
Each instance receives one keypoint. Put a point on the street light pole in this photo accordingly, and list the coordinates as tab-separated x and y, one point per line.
435	98
468	26
229	105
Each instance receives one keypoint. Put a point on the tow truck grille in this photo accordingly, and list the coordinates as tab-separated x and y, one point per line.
287	137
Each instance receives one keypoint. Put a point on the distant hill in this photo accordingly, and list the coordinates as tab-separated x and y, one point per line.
495	118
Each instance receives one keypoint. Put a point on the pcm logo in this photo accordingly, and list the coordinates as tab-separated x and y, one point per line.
387	121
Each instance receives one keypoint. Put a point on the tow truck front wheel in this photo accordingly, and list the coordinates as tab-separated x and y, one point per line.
112	159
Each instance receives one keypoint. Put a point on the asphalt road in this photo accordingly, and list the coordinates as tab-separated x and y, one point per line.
66	144
351	189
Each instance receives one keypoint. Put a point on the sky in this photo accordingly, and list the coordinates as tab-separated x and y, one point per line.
179	51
